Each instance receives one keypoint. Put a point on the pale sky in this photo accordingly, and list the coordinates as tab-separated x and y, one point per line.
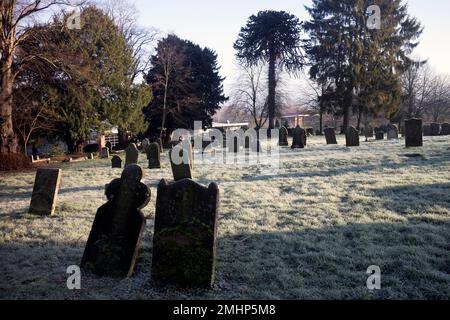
216	24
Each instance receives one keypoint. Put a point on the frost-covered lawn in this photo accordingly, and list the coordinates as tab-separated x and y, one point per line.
308	231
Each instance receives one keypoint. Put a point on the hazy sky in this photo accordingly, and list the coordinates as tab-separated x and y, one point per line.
216	24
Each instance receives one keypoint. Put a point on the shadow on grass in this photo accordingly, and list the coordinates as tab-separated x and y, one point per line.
328	263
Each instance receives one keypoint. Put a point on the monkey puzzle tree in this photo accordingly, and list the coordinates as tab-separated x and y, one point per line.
274	37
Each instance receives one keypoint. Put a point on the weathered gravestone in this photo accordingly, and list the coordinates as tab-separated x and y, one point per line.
109	146
145	144
379	135
435	129
413	133
184	240
91	156
154	156
352	137
114	241
426	130
445	130
116	162
368	132
131	154
392	132
45	192
283	137
181	161
104	153
330	136
299	141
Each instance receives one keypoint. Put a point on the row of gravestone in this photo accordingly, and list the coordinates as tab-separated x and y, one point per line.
413	135
436	129
184	238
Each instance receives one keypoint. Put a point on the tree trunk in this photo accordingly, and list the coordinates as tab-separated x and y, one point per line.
272	89
8	139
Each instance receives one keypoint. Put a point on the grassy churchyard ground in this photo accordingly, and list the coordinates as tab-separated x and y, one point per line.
308	231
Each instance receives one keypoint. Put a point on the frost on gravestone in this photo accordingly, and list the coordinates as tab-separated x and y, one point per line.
131	154
352	137
330	136
184	241
181	160
392	132
45	192
114	241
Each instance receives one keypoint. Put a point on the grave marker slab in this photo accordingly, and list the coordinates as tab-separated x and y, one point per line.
45	192
145	144
283	137
104	153
413	133
352	137
379	135
330	136
114	241
183	169
392	132
445	130
299	141
131	154
153	156
184	241
116	162
435	129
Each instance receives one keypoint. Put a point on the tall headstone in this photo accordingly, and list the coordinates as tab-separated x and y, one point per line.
131	154
299	140
181	161
368	132
445	130
413	133
154	156
427	130
352	137
104	153
145	144
330	136
392	132
45	192
184	240
379	135
114	241
435	129
283	137
116	162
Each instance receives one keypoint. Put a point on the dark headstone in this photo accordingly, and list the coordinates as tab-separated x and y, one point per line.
352	137
445	130
153	156
145	144
235	145
131	154
427	130
392	132
182	170
299	140
104	153
413	133
283	137
368	132
116	162
330	136
435	129
309	132
45	192
109	146
114	241
379	135
184	241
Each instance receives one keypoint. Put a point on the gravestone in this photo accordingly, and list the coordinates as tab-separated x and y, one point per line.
247	142
299	141
413	133
235	145
104	153
45	192
309	132
153	156
368	132
445	130
145	144
184	241
109	146
352	137
116	162
435	129
330	136
283	137
114	241
379	135
131	154
427	130
91	156
182	170
392	132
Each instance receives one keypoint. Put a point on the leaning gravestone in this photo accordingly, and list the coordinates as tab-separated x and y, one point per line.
104	154
45	192
352	137
181	161
114	241
299	141
145	144
392	132
283	137
413	133
116	162
379	135
445	130
330	136
435	129
153	156
131	154
184	241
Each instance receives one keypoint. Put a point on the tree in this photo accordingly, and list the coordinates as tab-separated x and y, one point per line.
273	37
364	65
186	86
14	32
